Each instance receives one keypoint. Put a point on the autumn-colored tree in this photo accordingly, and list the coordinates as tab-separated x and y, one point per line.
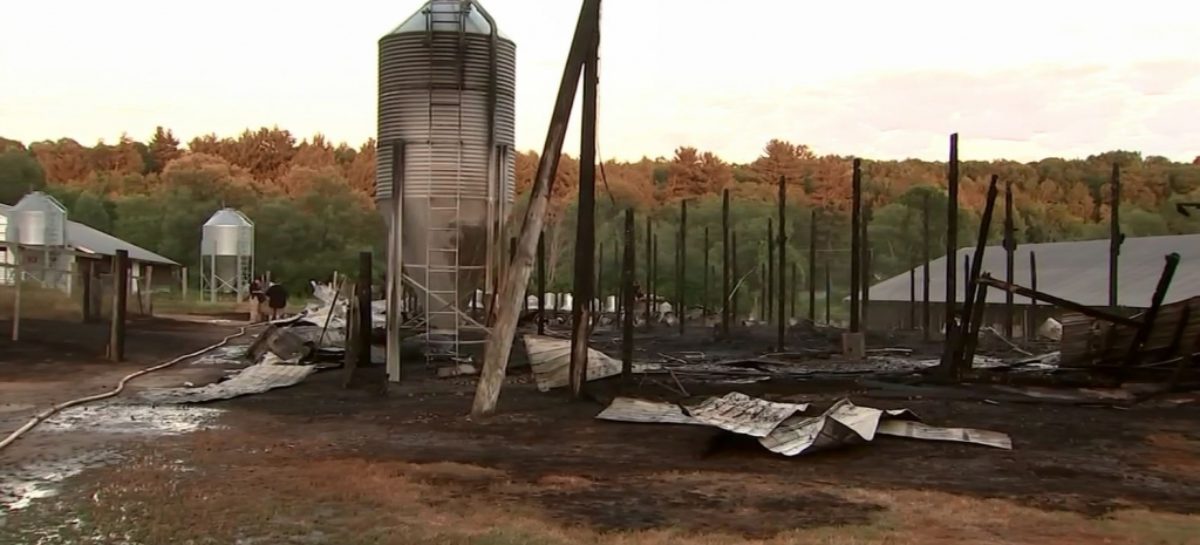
692	173
163	149
316	154
122	158
360	172
64	161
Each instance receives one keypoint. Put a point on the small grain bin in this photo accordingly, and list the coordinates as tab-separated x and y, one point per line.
227	254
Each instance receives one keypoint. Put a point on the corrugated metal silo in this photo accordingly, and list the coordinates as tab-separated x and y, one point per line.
447	85
226	253
37	220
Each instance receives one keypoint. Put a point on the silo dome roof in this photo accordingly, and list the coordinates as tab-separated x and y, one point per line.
228	217
419	21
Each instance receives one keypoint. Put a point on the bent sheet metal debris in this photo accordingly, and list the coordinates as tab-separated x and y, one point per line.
255	379
843	424
550	360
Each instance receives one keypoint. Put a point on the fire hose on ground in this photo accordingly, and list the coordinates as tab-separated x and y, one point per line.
45	415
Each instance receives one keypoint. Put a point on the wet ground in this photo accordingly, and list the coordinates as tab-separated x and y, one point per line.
321	463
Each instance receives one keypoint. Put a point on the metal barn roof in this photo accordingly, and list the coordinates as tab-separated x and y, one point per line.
1077	271
93	241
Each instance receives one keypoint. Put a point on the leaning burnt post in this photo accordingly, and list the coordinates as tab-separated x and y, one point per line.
780	315
828	294
972	337
726	271
976	267
951	256
627	274
1010	252
1133	357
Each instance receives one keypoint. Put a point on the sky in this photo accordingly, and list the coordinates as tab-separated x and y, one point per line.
880	79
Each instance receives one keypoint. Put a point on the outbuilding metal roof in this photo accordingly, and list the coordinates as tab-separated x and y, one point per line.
1077	271
88	240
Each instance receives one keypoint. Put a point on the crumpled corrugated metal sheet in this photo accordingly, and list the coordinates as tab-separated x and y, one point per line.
255	379
740	413
628	409
550	360
843	424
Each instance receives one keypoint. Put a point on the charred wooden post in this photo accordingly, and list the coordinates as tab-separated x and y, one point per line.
769	281
1072	306
598	302
1115	237
541	283
726	271
120	274
88	313
972	336
763	297
866	269
828	294
967	293
654	273
1032	301
781	315
855	246
627	273
926	315
733	295
499	345
812	267
585	226
795	294
649	269
976	266
912	296
951	253
363	342
681	281
1148	320
1010	253
704	295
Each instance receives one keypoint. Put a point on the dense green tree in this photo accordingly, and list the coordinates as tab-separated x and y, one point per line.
90	210
20	173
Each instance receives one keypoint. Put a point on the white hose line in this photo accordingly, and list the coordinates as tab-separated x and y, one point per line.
44	415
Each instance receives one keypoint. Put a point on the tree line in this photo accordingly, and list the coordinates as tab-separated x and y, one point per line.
312	200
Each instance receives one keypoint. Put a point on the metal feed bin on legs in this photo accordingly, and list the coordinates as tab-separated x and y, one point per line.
227	254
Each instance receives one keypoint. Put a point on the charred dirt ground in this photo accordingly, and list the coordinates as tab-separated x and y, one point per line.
320	463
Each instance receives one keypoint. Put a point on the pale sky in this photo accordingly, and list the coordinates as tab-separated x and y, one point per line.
1021	79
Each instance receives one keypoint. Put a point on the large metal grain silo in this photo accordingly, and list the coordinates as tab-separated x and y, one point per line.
226	254
447	80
